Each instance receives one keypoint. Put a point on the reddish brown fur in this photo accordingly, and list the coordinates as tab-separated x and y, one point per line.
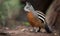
34	22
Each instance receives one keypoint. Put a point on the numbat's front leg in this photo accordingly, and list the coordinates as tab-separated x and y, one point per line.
35	29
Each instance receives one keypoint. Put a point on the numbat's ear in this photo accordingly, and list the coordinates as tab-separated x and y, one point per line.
28	3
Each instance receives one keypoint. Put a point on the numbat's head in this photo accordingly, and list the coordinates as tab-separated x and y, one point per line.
28	7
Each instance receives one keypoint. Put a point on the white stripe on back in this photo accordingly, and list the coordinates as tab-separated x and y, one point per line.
41	15
40	18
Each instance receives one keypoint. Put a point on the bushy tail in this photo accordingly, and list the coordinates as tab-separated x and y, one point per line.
47	28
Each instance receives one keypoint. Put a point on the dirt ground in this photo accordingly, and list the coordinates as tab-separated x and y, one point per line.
23	31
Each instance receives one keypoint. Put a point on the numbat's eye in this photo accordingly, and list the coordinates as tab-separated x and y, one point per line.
27	7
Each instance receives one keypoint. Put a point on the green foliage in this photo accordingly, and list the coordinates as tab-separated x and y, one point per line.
11	4
3	14
7	7
26	23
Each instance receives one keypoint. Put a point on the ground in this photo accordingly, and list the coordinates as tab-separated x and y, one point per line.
24	31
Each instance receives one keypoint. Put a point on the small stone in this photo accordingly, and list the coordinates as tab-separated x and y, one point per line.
43	30
55	33
31	30
23	30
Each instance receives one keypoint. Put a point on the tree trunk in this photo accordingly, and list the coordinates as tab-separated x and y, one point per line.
53	15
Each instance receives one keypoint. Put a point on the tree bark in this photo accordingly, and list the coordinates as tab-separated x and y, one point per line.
53	15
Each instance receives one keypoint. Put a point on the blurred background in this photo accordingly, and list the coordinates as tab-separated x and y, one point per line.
12	13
